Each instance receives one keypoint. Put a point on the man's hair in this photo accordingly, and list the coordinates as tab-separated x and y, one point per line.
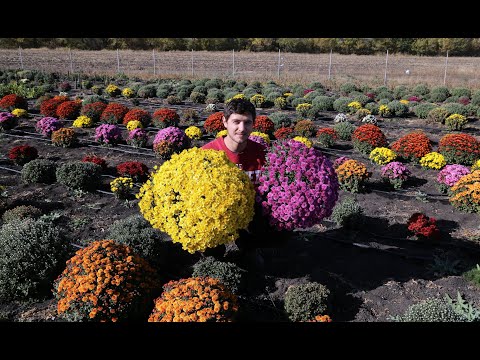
239	106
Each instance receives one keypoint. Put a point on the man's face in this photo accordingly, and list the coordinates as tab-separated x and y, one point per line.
239	127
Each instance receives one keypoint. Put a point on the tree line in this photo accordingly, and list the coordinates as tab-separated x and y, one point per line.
359	46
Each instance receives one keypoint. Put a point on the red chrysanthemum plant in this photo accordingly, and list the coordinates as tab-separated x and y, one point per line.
164	117
114	113
367	137
412	146
214	123
423	227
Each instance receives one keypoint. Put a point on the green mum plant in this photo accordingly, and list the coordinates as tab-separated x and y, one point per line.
198	197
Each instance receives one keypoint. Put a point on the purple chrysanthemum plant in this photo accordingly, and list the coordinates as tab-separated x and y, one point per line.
449	175
339	161
170	140
108	134
298	186
47	125
7	120
137	137
259	139
395	173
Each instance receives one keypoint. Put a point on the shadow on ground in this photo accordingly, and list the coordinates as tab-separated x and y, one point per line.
350	262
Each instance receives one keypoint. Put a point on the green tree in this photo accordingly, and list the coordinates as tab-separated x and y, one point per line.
298	45
262	44
324	45
167	44
455	46
359	46
425	46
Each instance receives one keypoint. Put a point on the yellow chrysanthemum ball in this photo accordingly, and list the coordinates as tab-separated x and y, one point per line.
222	133
303	140
83	122
433	160
20	113
198	197
128	93
121	186
237	96
262	135
258	100
382	155
384	111
354	106
475	166
303	108
134	124
113	90
193	132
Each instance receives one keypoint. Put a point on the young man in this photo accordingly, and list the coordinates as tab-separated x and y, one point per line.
248	155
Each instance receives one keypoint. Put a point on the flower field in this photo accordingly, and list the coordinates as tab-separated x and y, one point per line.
368	205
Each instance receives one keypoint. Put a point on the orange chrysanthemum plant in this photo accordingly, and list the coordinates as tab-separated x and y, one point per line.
114	113
69	110
165	117
461	149
49	107
106	281
466	193
137	114
367	137
263	124
321	318
284	133
352	176
326	137
214	123
201	299
13	101
64	137
305	128
412	146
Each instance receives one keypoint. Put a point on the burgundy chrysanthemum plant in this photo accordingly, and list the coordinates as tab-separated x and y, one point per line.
298	186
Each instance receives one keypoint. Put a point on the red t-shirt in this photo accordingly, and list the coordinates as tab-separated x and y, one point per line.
249	160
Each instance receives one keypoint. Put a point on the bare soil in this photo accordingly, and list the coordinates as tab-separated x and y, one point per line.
374	273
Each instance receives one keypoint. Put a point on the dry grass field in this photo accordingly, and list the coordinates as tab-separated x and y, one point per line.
303	68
